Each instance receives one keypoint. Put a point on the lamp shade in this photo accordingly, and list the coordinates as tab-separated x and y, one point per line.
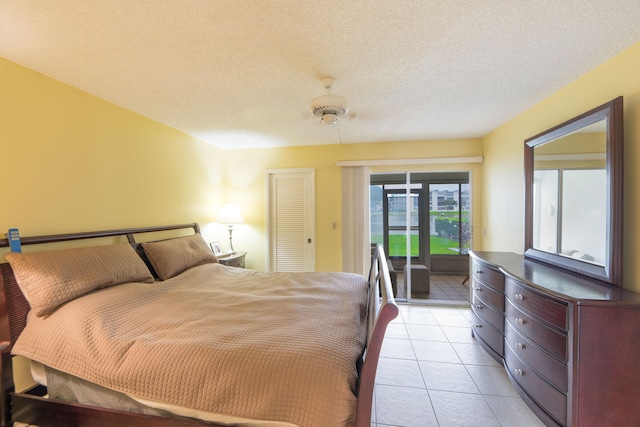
230	214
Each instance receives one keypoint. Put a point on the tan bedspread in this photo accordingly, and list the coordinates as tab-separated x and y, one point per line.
267	346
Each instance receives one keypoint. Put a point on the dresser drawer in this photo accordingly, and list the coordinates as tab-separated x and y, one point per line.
234	260
551	341
546	309
487	276
487	313
238	262
488	334
547	397
488	295
550	368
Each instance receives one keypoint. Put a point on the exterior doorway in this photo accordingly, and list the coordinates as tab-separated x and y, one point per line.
424	222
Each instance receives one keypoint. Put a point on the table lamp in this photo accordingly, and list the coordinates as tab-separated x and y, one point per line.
230	215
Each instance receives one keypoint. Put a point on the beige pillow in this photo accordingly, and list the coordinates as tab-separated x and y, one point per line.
49	279
173	256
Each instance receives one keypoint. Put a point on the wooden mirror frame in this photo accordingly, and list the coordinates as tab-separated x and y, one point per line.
611	272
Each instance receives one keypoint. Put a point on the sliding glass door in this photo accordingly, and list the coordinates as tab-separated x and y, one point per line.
423	221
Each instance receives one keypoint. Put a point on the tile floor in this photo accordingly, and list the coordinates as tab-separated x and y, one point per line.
444	288
433	373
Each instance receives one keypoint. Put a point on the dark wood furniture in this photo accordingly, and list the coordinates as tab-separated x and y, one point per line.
33	407
570	344
235	259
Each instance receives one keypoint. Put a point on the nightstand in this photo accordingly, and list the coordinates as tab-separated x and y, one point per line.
233	260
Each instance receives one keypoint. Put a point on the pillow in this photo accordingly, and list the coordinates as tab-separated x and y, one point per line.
173	256
49	279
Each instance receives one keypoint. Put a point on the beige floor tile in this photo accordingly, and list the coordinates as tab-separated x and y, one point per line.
434	351
458	335
406	407
451	319
399	372
446	310
397	348
513	412
426	332
460	409
473	354
396	330
418	317
466	312
492	380
447	377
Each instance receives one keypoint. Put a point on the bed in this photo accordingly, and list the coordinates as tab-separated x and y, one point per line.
157	333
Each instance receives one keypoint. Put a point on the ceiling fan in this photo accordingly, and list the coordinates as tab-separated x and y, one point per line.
329	108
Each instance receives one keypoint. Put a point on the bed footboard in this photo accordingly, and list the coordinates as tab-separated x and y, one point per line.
382	310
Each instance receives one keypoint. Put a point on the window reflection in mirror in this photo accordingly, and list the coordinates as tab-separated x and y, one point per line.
545	210
570	195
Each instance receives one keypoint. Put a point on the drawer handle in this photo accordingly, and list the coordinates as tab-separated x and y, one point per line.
478	306
520	346
518	372
478	271
519	297
479	289
520	321
477	325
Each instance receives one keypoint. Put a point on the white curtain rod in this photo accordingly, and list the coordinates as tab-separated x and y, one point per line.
397	162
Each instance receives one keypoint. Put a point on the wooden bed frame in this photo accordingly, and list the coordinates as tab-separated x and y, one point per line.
32	407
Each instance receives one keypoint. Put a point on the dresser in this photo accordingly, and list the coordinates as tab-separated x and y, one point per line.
570	345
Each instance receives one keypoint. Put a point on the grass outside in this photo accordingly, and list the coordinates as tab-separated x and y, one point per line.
439	245
398	245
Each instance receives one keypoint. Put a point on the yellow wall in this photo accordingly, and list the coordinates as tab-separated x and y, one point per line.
503	204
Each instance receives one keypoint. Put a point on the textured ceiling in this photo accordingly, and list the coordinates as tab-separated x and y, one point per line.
241	73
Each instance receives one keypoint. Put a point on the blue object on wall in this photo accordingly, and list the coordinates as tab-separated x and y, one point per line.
14	240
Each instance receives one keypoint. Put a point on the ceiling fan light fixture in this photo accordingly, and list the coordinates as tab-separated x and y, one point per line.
329	119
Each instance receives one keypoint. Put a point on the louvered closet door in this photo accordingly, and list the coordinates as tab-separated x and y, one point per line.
291	220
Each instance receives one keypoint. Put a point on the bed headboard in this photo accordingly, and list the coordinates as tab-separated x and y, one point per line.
129	232
14	318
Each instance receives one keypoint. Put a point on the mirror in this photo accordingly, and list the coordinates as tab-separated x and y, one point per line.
573	194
